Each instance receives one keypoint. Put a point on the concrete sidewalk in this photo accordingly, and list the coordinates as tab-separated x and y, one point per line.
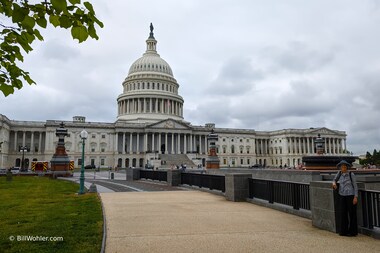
192	221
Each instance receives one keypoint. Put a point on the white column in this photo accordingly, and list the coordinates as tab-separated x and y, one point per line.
299	146
123	148
23	138
325	145
159	142
153	147
308	145
138	143
116	142
179	143
156	108
145	142
166	143
333	146
40	142
191	142
172	150
150	105
32	142
15	141
130	143
185	144
200	144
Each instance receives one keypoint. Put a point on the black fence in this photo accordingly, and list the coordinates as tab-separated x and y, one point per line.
371	208
286	193
159	175
213	182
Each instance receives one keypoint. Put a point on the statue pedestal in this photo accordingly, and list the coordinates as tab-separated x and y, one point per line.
324	162
60	163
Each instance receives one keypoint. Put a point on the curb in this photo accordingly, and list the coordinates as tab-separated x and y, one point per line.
103	248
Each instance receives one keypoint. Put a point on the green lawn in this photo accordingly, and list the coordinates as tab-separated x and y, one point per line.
39	206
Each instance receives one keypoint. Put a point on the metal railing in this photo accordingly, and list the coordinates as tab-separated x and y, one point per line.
291	194
371	208
213	182
159	175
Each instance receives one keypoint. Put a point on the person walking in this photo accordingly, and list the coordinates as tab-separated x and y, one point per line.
348	199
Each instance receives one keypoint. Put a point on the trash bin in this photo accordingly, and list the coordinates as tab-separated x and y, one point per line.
112	176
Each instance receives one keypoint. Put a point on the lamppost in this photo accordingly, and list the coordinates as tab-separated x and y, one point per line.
23	149
83	136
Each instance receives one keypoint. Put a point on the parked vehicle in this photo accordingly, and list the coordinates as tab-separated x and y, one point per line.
15	170
89	167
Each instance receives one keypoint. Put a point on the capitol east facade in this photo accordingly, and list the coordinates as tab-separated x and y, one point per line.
151	129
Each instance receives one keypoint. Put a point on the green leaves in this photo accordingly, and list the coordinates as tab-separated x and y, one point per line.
19	13
24	16
59	5
79	33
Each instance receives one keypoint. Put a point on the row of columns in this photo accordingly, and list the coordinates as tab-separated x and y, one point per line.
306	145
301	145
174	143
150	105
30	145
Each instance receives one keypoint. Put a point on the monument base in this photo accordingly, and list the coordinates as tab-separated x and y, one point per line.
322	162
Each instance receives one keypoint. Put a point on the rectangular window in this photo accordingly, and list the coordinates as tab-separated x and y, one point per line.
79	162
248	161
103	136
92	149
102	150
93	136
92	161
102	161
241	161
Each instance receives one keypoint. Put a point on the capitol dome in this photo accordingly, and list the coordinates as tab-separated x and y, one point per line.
150	90
150	63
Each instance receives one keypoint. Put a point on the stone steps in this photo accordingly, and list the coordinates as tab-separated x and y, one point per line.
176	159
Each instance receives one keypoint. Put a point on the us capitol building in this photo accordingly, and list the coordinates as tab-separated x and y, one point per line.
150	129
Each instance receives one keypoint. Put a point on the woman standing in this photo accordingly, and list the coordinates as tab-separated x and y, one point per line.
348	199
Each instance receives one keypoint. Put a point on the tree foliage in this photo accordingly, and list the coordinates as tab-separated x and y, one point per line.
371	159
20	24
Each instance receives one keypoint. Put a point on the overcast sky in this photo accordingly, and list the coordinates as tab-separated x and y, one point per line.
263	65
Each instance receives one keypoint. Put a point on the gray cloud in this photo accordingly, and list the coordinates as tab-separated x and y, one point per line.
236	76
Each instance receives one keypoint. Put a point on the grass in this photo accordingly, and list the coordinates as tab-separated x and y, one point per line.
39	206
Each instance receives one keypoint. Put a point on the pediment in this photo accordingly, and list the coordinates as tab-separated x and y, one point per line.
169	124
323	131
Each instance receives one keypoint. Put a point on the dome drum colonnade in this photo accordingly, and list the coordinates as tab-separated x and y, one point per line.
150	90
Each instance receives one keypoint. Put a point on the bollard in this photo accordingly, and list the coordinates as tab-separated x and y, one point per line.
112	175
92	188
9	176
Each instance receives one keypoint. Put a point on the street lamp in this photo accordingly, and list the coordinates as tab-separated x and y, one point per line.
83	136
23	149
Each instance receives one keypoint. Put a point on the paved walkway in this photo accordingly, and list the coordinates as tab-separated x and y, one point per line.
193	221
